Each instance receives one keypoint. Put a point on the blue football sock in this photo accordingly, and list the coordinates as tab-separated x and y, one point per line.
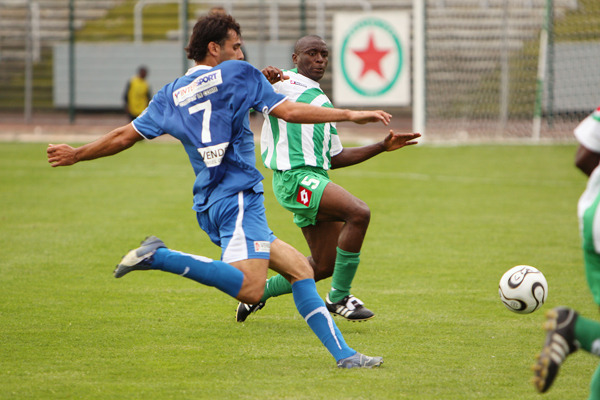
313	310
209	272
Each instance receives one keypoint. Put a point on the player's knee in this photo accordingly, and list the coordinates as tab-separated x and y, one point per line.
324	273
362	215
322	270
302	271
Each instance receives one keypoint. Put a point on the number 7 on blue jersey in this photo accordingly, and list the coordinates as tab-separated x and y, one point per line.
205	106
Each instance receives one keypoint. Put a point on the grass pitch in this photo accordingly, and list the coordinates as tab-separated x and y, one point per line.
446	224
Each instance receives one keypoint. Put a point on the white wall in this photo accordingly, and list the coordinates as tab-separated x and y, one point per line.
102	69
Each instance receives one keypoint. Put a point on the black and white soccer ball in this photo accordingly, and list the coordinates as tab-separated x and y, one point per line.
523	289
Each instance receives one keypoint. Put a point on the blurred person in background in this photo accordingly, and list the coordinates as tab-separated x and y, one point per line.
137	94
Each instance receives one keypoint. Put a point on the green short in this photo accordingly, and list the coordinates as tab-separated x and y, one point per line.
300	191
590	234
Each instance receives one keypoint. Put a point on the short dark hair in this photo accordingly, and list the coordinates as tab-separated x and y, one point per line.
301	43
213	27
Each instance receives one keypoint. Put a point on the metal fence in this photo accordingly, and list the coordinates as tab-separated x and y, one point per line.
493	66
481	58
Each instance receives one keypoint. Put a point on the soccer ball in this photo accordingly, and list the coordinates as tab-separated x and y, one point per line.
523	289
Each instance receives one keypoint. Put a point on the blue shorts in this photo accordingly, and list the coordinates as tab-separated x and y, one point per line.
238	225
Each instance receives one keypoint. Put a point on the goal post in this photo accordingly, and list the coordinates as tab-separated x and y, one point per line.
541	76
418	115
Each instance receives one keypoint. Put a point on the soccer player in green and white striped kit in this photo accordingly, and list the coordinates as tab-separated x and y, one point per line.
567	330
333	221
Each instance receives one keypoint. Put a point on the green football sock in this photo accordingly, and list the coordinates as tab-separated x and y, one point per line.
346	264
587	332
276	286
595	386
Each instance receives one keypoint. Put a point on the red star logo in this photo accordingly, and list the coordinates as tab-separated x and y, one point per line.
371	57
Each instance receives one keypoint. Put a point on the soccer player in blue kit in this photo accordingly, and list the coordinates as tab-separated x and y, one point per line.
207	110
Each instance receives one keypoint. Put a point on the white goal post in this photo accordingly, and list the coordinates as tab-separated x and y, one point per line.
419	67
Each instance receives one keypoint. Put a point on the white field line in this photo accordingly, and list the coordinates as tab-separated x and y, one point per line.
457	179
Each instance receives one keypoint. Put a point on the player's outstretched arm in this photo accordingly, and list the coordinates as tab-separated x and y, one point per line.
60	155
301	113
395	141
364	117
355	155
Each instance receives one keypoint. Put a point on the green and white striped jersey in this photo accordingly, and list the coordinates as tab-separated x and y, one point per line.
286	146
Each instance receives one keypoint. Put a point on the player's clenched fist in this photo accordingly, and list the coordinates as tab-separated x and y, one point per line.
61	155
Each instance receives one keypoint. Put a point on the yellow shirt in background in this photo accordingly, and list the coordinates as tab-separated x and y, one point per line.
138	95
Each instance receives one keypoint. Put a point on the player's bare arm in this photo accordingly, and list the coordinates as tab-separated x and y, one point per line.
355	155
364	117
60	155
395	141
274	75
586	160
301	113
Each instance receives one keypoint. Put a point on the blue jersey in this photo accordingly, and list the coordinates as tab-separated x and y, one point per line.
207	110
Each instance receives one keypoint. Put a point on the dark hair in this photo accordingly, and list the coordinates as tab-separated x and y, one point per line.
213	27
301	43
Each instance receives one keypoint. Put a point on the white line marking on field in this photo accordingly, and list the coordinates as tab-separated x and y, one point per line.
457	179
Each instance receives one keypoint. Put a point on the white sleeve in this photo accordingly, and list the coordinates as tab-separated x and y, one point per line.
277	87
336	145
